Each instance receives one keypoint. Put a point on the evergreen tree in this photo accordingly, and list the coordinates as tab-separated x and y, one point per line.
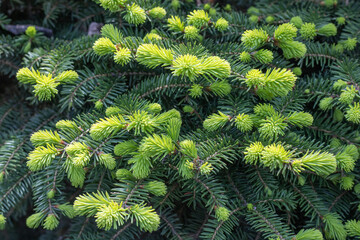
182	120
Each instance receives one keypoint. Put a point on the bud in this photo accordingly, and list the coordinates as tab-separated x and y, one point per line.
348	94
124	174
339	48
357	188
156	187
125	148
268	191
191	32
99	104
67	210
112	111
221	24
308	31
264	56
157	13
222	213
31	31
207	7
122	56
297	71
51	222
2	222
175	4
227	7
340	20
353	113
353	151
51	194
212	12
339	84
2	174
250	206
347	183
335	143
244	122
301	180
328	30
188	109
269	19
297	21
338	115
245	57
154	108
195	90
34	220
206	168
253	19
107	160
349	44
253	11
152	36
330	3
103	46
325	103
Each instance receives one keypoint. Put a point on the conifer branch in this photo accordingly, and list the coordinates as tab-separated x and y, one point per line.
15	185
120	231
171	227
337	199
222	222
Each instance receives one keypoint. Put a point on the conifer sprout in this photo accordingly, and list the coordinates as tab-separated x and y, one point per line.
212	12
135	14
175	24
2	222
187	66
285	32
221	24
122	56
264	56
281	80
325	103
191	32
157	12
104	46
328	30
269	19
175	4
350	43
353	228
222	213
297	21
254	38
254	19
353	113
245	57
34	220
308	31
152	55
198	18
51	222
196	90
207	6
152	36
297	71
180	120
30	31
340	20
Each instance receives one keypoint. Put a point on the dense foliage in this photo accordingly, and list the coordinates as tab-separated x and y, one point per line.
180	120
